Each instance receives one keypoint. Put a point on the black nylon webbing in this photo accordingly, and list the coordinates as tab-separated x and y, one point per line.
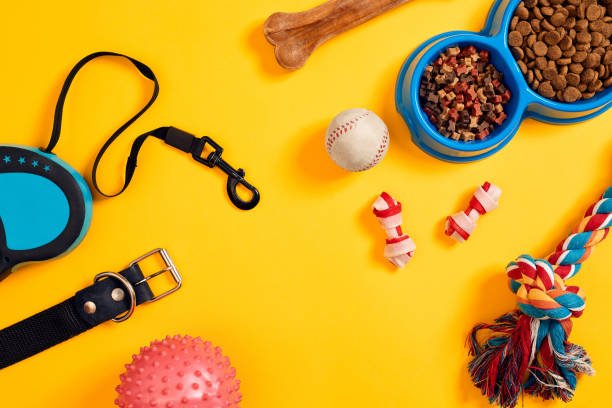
59	108
39	332
170	135
68	319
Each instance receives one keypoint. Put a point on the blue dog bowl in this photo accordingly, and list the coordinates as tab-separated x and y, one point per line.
525	103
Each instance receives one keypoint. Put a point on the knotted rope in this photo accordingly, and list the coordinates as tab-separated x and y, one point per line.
528	349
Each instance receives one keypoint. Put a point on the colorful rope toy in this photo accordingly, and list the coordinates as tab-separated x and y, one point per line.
528	349
461	225
400	247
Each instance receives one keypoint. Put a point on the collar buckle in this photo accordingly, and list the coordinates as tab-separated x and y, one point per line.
169	267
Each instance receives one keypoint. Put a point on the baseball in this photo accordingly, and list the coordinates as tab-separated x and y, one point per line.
357	139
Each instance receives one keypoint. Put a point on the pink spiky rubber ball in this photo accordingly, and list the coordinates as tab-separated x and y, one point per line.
179	372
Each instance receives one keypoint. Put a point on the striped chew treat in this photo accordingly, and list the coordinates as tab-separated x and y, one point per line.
400	247
461	225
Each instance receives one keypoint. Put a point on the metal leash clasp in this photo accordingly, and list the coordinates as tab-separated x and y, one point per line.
235	177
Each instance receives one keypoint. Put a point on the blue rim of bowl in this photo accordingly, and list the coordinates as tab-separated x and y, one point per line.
435	46
495	33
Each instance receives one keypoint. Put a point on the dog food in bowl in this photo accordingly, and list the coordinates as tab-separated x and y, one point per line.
562	47
463	94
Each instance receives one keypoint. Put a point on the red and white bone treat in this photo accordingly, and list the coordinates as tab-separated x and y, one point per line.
461	225
400	247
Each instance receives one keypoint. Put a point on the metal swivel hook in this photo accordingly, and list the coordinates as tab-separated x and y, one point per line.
235	177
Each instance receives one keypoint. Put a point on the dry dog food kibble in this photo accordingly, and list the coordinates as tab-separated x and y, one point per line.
463	94
563	46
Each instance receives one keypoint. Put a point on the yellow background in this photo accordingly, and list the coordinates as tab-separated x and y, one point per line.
297	291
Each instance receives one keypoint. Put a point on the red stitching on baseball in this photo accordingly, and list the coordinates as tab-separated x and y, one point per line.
381	149
343	128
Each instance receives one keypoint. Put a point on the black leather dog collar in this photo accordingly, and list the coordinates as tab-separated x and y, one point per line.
113	296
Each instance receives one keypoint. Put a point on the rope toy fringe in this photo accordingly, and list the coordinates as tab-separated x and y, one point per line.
400	247
528	349
461	225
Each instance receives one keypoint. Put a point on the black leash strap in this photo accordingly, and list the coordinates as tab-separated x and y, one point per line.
172	136
196	146
113	296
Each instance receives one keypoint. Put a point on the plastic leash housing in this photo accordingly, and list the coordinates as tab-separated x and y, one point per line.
45	210
46	207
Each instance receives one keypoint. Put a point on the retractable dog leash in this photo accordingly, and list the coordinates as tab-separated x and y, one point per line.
48	206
